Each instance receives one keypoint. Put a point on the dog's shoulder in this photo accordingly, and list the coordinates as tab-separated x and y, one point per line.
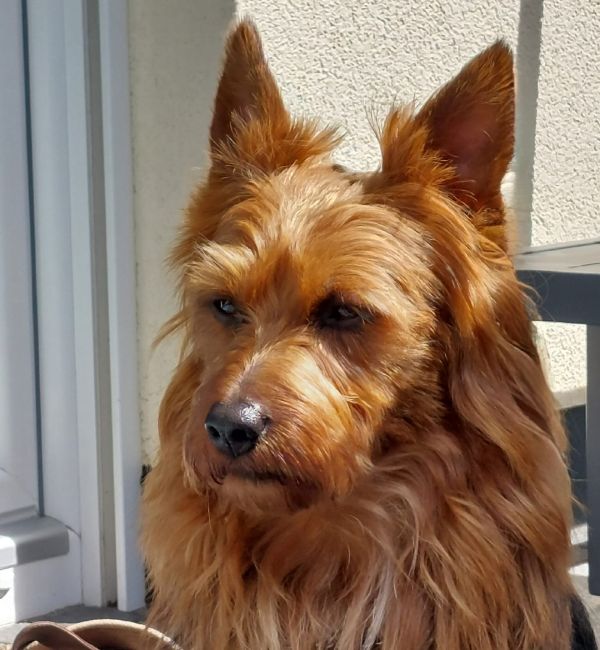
583	636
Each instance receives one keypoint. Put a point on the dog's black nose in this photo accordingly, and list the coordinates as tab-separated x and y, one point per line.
234	429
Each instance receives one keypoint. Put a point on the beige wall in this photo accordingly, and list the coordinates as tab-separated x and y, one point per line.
566	187
341	60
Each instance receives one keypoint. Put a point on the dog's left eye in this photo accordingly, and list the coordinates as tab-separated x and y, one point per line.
227	311
335	314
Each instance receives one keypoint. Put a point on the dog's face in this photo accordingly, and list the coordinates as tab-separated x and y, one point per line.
315	296
312	318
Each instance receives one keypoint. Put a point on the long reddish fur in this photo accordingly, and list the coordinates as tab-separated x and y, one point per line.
431	505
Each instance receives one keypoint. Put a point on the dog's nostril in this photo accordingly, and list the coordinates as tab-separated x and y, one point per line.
212	432
241	435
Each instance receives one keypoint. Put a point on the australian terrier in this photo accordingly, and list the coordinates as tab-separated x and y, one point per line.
359	448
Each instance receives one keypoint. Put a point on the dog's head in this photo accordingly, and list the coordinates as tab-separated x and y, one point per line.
333	316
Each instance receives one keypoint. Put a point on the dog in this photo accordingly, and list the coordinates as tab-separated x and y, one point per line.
358	448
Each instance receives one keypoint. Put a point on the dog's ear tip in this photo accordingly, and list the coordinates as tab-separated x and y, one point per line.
501	50
498	57
246	87
245	25
243	34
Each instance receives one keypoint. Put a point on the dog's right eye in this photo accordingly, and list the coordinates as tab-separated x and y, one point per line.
227	311
334	313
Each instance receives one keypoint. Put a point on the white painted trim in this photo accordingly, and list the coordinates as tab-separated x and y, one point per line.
93	499
37	588
15	502
49	152
120	252
82	188
18	444
69	387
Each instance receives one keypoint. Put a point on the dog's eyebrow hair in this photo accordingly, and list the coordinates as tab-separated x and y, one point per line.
353	299
214	261
343	296
224	253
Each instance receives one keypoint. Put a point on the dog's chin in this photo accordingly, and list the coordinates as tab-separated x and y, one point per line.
248	485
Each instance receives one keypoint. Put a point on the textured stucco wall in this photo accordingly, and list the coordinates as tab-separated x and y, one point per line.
566	185
344	60
566	196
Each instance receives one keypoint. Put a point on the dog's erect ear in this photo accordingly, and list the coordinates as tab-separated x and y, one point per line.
251	129
470	123
247	89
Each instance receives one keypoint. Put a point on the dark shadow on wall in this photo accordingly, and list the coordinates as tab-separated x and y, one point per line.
176	52
218	16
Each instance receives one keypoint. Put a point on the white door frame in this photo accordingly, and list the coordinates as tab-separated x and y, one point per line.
18	454
90	457
94	55
120	253
41	565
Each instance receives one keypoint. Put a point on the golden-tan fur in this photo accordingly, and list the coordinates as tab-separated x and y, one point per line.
417	496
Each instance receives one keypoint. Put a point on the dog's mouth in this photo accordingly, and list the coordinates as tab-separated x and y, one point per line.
219	473
269	477
255	471
259	476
